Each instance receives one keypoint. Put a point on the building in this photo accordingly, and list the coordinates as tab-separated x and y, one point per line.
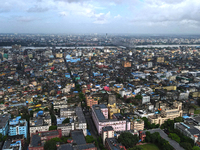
100	118
77	122
112	144
145	99
18	127
126	64
58	104
107	132
142	135
12	145
41	121
66	128
80	121
137	124
67	112
4	124
160	59
91	101
164	113
112	108
79	141
38	139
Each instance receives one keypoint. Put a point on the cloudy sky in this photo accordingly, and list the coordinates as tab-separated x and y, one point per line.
100	16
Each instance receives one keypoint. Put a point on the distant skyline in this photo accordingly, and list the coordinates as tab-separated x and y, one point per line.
100	16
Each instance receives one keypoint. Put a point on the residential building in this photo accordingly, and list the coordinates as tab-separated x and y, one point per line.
77	122
67	112
12	145
4	124
164	113
100	118
112	144
137	124
79	141
38	139
18	126
41	121
91	101
107	132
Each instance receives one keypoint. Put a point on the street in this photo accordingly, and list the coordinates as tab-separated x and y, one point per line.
173	143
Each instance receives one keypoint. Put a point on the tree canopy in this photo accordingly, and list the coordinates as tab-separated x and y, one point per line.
52	128
89	139
128	140
174	137
66	121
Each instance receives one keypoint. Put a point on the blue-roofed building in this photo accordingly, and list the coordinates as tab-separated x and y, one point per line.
18	126
11	145
4	124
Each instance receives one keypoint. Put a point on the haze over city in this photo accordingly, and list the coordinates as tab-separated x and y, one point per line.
100	16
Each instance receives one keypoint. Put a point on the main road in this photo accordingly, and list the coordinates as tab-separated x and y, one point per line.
173	143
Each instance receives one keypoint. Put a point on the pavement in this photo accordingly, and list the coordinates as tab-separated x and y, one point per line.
173	143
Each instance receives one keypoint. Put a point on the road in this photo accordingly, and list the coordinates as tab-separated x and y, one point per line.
92	127
173	143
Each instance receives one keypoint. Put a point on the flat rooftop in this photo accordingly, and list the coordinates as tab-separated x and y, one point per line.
79	113
78	137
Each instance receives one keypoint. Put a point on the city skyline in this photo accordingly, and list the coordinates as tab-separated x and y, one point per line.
89	16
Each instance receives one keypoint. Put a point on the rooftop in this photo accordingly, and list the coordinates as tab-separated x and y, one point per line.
79	113
78	137
108	128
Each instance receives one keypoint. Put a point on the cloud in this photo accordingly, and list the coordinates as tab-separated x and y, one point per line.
36	8
101	18
63	13
157	11
25	19
117	17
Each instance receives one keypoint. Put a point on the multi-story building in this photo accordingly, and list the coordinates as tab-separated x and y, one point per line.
11	145
164	113
18	127
67	112
4	123
41	121
79	141
91	101
58	104
100	118
112	144
38	139
113	109
137	124
107	132
78	122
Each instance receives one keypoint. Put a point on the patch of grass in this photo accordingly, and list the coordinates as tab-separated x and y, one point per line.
197	112
149	147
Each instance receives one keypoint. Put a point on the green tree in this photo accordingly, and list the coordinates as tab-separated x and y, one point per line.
5	138
1	136
52	128
178	119
174	137
50	145
64	139
138	97
128	140
66	121
196	148
186	146
56	139
136	148
89	139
